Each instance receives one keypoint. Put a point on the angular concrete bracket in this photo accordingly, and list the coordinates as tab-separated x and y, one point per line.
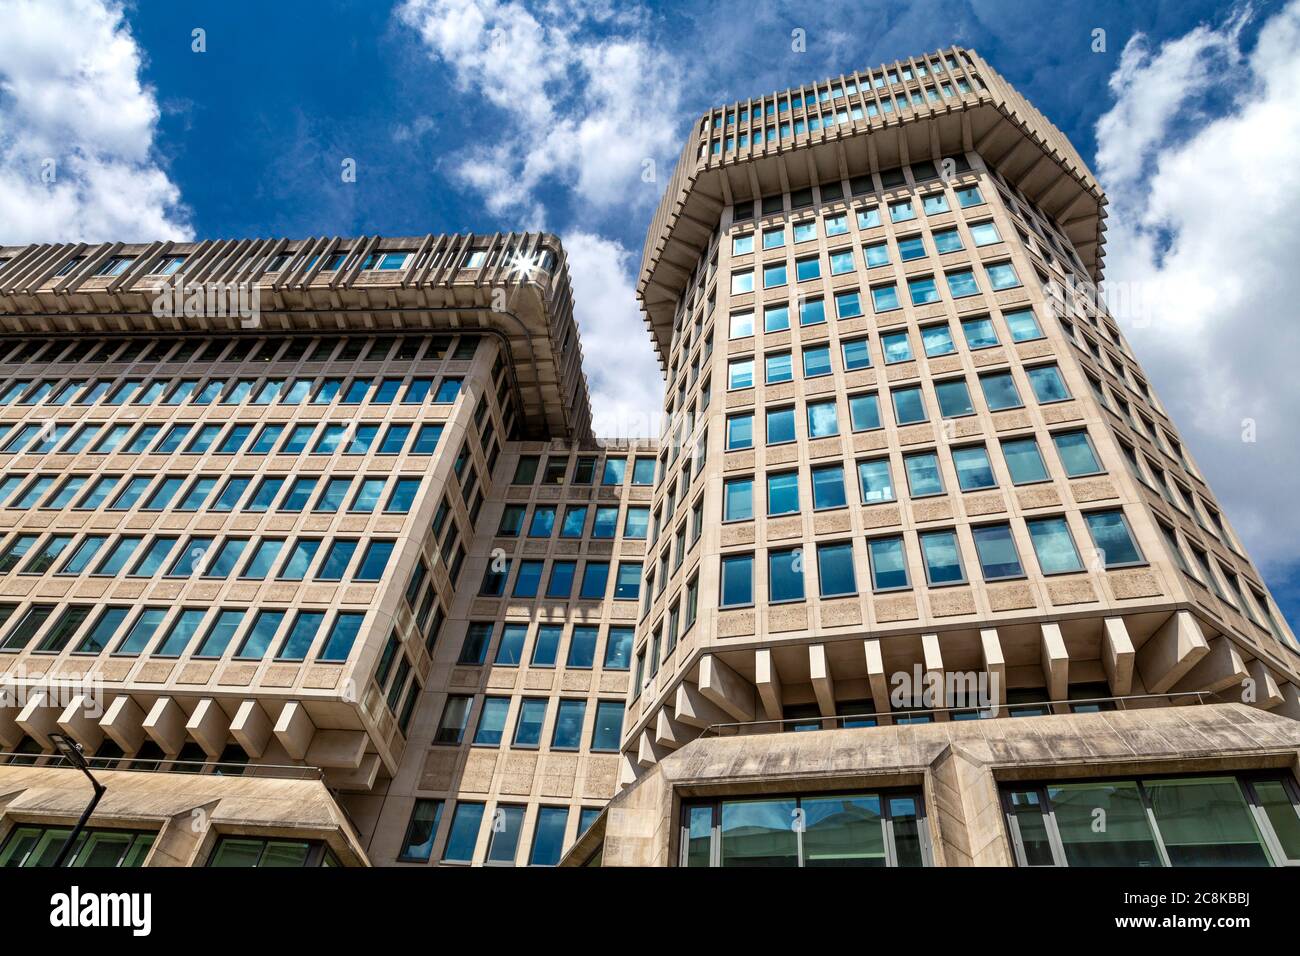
38	719
123	722
209	726
691	707
648	752
1055	660
1219	669
627	769
166	725
251	728
1117	656
294	730
768	682
76	722
995	664
819	669
932	658
876	677
1171	652
11	734
337	749
722	685
1266	691
1290	706
360	779
670	733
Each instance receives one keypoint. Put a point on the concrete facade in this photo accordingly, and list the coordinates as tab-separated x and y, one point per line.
905	441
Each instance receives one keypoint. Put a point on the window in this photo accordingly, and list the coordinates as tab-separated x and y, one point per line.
822	420
973	469
901	211
909	406
595	580
1113	539
738	499
848	305
740	373
954	398
942	558
1076	453
737	580
812	312
740	432
569	718
937	340
643	471
743	244
548	836
828	487
876	255
1047	384
417	845
774	238
1024	461
888	563
779	367
785	575
1000	391
835	569
816	361
984	233
1023	325
776	318
864	412
774	275
528	725
1167	821
607	731
997	552
884	298
1054	546
627	584
783	493
29	845
947	240
780	425
466	822
923	290
742	281
856	353
856	829
923	476
582	648
742	324
1002	275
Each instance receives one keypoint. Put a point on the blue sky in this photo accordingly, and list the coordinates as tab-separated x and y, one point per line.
496	114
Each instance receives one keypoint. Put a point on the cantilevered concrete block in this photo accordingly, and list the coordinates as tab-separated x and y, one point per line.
995	664
1264	690
1117	656
76	721
38	719
337	749
294	729
671	733
165	723
1219	669
1171	652
1055	660
251	728
768	682
209	727
819	670
692	707
123	721
722	685
876	676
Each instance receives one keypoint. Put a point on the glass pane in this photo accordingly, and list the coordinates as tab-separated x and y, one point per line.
699	835
907	831
1103	824
1027	810
759	833
1281	812
1205	822
843	831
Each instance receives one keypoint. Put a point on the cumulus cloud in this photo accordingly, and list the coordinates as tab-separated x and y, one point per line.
1197	157
590	107
77	129
624	379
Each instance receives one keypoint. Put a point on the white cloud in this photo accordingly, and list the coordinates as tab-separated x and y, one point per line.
1205	220
585	104
624	379
587	100
71	104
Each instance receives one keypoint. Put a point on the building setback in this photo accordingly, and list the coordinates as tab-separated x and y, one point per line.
311	541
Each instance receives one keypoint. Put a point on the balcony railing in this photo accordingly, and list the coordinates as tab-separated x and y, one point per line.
165	765
929	714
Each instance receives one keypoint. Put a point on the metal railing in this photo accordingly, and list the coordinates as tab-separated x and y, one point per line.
166	765
922	715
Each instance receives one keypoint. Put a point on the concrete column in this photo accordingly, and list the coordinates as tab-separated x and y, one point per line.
1117	656
876	677
1171	652
932	658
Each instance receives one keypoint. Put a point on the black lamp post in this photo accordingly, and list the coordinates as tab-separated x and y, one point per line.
71	750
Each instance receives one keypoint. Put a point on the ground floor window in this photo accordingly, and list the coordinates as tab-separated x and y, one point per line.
29	846
843	829
239	851
1228	820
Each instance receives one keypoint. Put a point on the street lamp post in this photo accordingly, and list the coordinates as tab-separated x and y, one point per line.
70	749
